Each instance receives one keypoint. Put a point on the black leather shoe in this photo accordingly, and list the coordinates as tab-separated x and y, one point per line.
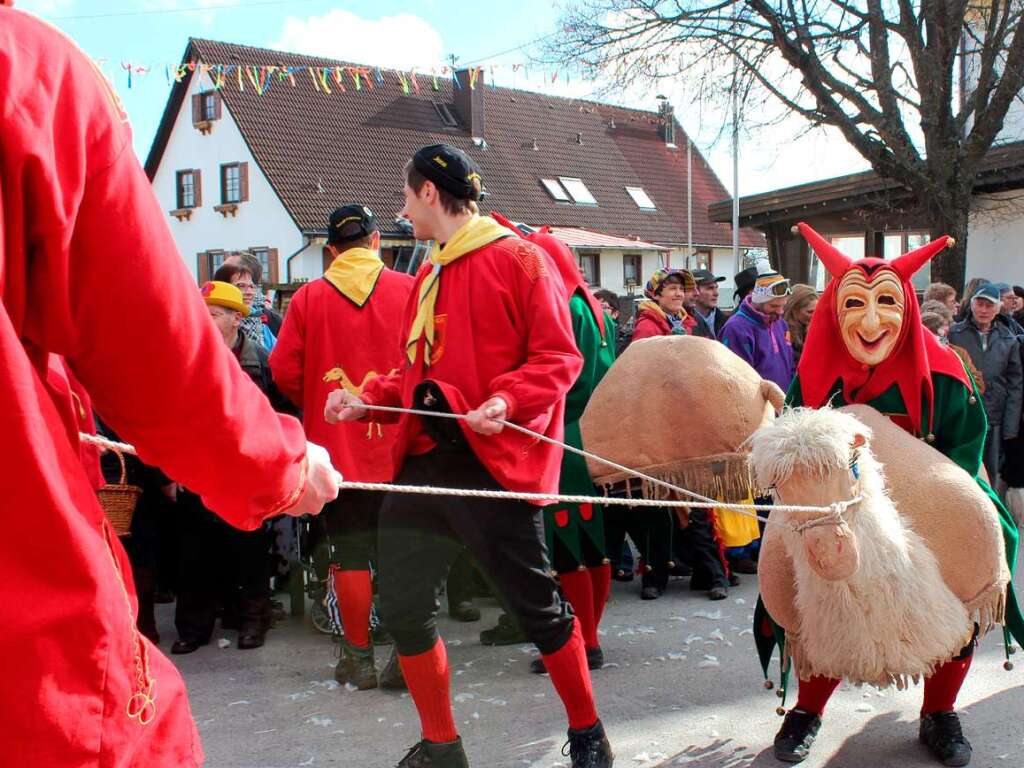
650	593
251	637
623	574
430	754
795	737
507	632
356	667
595	658
464	611
942	734
589	748
391	676
537	666
718	593
187	646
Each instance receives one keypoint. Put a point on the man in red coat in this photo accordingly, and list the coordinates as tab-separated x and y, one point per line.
84	251
342	332
487	335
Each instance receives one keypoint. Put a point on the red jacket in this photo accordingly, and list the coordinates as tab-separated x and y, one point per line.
88	270
502	328
328	342
650	323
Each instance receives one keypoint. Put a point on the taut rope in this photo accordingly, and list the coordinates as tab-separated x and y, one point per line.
831	513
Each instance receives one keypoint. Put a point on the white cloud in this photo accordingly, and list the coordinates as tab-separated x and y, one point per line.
45	8
404	41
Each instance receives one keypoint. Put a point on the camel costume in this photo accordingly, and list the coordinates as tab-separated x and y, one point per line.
866	345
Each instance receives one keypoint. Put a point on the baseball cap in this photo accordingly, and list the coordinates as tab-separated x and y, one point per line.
350	222
988	292
706	276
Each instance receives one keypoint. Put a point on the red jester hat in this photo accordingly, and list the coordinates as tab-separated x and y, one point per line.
870	306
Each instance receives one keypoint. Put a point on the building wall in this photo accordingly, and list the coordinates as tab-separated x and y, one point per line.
260	221
995	242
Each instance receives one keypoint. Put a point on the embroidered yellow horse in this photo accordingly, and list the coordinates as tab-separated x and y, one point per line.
339	375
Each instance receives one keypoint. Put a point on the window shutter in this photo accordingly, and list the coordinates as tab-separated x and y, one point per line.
272	258
197	185
177	189
243	181
203	266
223	184
197	108
216	105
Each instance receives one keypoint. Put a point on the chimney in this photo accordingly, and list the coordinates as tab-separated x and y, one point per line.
469	103
667	128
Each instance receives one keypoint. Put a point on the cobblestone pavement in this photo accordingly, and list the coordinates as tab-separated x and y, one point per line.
682	687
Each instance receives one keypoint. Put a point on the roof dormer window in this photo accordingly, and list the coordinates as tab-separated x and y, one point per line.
577	191
641	198
556	190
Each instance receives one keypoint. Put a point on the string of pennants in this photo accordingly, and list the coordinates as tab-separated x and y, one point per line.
341	78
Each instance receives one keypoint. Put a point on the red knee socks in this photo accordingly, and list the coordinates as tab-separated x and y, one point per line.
571	678
815	693
601	585
426	674
941	689
579	592
355	595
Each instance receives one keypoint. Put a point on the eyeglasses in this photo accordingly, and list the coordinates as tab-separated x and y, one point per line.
245	286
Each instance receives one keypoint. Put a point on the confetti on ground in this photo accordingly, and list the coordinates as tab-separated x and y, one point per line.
321	721
240	701
715	615
865	708
709	662
223	643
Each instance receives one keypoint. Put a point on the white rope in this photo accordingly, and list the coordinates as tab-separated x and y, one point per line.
831	513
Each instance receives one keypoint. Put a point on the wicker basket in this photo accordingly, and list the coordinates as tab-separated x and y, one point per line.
119	499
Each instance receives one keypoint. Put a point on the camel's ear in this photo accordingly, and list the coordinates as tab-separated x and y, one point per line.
859	441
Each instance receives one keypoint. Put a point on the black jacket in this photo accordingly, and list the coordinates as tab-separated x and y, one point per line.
998	357
702	329
255	362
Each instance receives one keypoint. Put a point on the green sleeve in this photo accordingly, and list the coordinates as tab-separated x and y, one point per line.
960	423
588	341
794	397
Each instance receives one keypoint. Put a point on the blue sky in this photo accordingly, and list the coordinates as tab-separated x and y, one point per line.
400	34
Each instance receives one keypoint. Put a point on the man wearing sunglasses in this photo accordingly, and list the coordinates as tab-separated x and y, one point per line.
758	333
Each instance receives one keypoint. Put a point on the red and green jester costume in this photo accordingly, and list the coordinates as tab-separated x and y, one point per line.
921	386
575	532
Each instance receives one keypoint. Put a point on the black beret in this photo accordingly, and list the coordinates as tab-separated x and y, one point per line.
350	222
450	169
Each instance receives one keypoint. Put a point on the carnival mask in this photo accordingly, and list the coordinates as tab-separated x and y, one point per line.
870	314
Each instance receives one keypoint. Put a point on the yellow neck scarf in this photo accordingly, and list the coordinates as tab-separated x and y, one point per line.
655	307
354	272
474	234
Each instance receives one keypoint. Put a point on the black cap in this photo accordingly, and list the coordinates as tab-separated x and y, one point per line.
705	276
350	222
450	169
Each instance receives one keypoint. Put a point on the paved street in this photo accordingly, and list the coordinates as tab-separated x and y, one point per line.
681	688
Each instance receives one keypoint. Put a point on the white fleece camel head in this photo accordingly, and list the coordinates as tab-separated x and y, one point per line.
813	458
872	602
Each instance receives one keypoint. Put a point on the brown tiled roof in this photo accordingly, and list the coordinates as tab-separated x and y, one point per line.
319	151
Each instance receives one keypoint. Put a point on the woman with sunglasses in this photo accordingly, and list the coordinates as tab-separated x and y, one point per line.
757	331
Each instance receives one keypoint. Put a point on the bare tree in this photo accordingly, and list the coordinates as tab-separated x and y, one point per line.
920	88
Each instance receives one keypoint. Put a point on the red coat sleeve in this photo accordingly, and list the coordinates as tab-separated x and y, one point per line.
95	276
287	360
553	363
645	328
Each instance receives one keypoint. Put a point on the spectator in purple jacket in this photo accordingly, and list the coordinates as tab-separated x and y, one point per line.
757	331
